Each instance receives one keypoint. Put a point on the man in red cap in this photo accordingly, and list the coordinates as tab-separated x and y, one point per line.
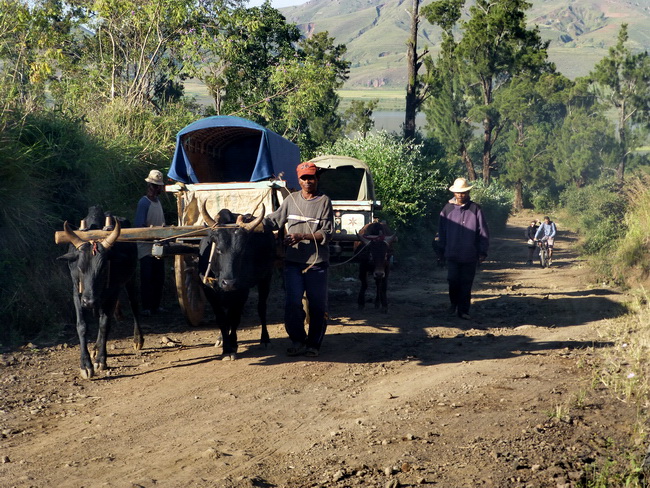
308	218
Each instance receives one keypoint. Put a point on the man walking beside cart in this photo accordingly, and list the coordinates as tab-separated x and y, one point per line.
309	221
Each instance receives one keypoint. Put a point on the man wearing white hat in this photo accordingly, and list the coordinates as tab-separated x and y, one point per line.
152	270
463	241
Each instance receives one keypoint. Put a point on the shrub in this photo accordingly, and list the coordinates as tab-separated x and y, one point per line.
409	186
496	202
52	168
544	201
598	213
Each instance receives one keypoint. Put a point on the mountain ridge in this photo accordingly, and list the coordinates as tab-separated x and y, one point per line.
375	31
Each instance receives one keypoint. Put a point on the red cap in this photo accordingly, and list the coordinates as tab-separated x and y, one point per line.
307	168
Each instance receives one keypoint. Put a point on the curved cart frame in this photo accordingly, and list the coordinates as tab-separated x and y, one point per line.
224	162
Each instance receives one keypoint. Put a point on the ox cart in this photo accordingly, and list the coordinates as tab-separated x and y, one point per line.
230	162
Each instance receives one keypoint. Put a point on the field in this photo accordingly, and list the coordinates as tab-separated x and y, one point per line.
389	99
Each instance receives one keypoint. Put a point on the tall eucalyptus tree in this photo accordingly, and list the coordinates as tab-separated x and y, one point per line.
622	82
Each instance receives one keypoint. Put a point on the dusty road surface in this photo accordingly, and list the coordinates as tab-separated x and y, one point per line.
414	397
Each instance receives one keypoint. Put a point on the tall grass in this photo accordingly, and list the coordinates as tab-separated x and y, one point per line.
631	260
624	370
52	168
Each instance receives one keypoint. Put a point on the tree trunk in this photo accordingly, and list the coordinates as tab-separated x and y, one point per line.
411	87
471	173
519	195
620	170
488	128
622	136
487	149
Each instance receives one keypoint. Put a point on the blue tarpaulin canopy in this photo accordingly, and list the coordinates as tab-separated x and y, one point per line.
225	149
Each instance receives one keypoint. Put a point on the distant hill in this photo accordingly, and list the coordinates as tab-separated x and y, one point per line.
375	32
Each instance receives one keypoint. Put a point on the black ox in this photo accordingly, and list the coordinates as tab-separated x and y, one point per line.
374	254
99	270
236	255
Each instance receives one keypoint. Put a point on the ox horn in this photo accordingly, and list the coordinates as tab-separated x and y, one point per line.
390	239
258	220
112	237
74	239
363	238
206	216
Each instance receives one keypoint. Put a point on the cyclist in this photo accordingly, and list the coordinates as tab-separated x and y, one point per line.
546	232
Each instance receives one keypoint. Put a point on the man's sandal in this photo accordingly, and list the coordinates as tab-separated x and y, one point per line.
311	352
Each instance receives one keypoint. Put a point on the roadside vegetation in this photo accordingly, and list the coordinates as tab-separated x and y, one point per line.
81	124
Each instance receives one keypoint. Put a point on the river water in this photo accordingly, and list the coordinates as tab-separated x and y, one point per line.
392	121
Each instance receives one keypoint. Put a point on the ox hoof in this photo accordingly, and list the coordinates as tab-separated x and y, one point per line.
86	373
229	357
100	366
219	343
137	345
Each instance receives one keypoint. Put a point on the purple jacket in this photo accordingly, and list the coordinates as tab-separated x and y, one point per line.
463	232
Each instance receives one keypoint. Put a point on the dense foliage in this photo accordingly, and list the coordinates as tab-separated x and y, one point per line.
406	182
501	110
598	212
614	225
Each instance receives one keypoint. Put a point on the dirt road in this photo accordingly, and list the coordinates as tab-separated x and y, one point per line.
410	398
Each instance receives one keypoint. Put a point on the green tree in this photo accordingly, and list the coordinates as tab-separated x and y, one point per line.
534	109
119	50
447	107
496	47
233	51
405	180
584	147
622	81
359	116
131	45
306	109
30	47
416	92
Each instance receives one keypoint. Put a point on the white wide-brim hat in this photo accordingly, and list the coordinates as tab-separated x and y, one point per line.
460	186
155	177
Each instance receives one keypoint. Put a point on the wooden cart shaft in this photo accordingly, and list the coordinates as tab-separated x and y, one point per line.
138	233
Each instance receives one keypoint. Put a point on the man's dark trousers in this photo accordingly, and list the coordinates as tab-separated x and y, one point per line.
461	278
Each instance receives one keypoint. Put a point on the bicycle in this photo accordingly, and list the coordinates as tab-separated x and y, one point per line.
543	253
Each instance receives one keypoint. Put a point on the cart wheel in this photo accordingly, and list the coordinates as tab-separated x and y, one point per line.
188	288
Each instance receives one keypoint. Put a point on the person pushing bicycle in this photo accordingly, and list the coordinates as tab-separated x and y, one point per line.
546	232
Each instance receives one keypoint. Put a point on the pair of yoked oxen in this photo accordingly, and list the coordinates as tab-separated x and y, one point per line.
238	253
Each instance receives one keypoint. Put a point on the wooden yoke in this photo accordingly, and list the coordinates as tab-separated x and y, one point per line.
139	233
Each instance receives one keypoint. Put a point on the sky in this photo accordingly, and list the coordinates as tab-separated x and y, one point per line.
277	3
